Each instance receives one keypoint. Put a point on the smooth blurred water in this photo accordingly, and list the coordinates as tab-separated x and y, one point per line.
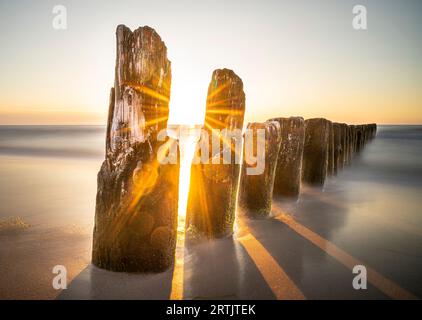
52	141
394	157
48	173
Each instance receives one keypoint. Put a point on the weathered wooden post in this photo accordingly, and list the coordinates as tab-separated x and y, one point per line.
315	154
364	135
330	168
337	147
289	162
214	185
373	130
354	137
350	144
137	196
258	170
359	138
344	144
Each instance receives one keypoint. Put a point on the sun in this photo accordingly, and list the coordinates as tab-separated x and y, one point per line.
187	98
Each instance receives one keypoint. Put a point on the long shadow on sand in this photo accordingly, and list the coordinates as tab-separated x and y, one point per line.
94	283
322	212
222	269
315	273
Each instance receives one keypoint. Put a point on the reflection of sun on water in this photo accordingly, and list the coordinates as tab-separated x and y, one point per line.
187	149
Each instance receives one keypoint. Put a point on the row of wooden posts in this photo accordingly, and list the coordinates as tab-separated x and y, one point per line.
296	151
299	150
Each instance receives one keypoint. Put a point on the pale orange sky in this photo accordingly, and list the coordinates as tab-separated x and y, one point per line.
294	57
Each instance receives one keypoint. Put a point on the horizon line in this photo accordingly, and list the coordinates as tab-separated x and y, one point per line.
187	124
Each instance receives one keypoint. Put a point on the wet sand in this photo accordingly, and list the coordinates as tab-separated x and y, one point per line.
28	257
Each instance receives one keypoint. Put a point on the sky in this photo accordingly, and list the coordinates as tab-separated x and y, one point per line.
294	57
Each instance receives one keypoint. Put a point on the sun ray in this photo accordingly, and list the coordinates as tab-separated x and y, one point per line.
225	112
222	102
148	91
226	142
157	120
218	90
